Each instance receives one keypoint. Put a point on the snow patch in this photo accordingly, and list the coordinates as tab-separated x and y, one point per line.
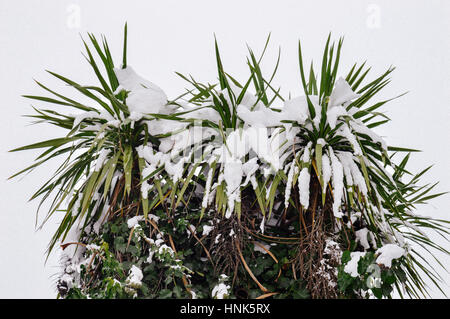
389	252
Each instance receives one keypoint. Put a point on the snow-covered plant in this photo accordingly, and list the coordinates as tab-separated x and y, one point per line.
282	197
316	157
221	290
101	174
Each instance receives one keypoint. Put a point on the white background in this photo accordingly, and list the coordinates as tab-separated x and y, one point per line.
168	36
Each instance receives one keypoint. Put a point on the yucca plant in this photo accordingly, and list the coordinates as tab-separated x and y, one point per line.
231	189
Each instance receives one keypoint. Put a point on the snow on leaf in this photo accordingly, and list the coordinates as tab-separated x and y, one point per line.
352	265
389	252
338	183
303	187
135	277
341	93
326	171
133	221
144	96
361	237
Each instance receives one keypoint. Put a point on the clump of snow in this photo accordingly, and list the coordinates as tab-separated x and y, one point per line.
303	187
133	221
338	183
352	265
207	229
361	237
287	192
134	278
333	114
175	170
207	189
145	188
341	93
233	176
321	141
143	96
221	290
307	153
296	109
389	252
166	249
249	169
102	219
326	171
264	117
